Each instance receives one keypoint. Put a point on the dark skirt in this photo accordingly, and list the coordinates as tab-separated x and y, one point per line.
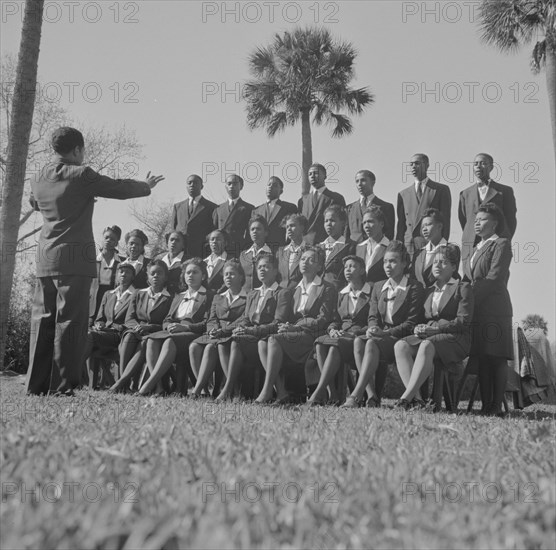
385	345
492	336
181	339
297	346
205	339
343	343
105	342
450	350
248	345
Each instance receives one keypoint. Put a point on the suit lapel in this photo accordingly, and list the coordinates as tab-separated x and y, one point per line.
216	269
200	299
446	297
314	294
399	300
377	255
123	304
275	211
426	200
335	252
199	207
480	253
296	298
362	301
491	193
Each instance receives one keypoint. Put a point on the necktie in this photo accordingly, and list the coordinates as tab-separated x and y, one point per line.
268	210
314	198
420	192
190	208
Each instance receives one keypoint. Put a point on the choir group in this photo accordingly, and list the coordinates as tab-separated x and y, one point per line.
276	302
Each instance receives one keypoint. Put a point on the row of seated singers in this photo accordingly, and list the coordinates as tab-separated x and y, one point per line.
403	322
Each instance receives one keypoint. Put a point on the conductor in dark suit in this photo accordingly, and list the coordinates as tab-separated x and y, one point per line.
233	216
64	192
365	181
313	204
484	191
274	211
416	199
193	217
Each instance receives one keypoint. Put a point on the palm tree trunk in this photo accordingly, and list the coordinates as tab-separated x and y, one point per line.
551	88
307	150
18	146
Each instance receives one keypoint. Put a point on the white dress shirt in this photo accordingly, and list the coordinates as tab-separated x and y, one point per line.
371	250
393	291
213	260
480	245
421	185
176	260
437	295
354	296
231	298
431	250
189	297
483	189
106	269
330	243
120	295
137	264
305	292
366	202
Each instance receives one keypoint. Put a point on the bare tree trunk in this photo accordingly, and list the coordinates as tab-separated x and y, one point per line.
307	150
18	146
551	89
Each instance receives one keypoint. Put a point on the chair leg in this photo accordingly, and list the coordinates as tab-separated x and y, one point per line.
448	393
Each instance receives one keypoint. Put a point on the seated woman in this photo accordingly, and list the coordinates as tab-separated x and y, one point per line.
488	270
146	313
431	229
258	231
266	307
396	307
175	242
227	307
313	309
216	260
104	337
186	320
372	250
108	260
350	321
446	334
336	246
135	242
289	255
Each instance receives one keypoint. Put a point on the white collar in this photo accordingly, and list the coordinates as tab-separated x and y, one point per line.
178	258
195	199
482	184
272	202
480	244
318	191
366	289
429	247
294	248
317	281
213	258
262	289
331	242
163	292
367	199
264	248
422	182
100	257
138	261
402	286
231	297
129	290
440	289
383	242
189	294
232	202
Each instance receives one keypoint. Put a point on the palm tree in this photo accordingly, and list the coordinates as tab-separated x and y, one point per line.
302	73
511	23
18	145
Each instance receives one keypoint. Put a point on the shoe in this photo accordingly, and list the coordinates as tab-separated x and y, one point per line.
373	402
417	404
402	404
351	403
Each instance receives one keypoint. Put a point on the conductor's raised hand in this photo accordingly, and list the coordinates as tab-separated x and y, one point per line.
152	181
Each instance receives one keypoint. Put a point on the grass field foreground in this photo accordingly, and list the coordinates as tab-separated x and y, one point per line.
105	472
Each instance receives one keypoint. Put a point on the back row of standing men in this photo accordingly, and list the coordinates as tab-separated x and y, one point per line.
196	216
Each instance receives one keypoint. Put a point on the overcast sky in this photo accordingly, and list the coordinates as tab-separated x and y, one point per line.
173	70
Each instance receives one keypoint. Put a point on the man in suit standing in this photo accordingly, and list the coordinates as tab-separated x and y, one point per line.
313	204
365	181
193	217
485	190
416	199
64	192
274	211
233	216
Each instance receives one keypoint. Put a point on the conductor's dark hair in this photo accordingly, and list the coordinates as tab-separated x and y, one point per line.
496	213
66	139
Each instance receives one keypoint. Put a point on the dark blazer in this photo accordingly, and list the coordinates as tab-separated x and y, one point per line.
455	311
315	230
411	211
469	202
197	321
318	311
489	277
334	266
234	222
289	278
354	228
141	279
407	312
276	309
224	316
138	312
276	232
65	195
249	265
418	271
197	227
216	280
108	314
376	271
356	322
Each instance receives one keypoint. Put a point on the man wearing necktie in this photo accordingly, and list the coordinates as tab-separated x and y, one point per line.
365	182
416	199
232	216
193	217
313	204
275	211
482	191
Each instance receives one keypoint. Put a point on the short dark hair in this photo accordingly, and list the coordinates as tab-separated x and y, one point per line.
66	139
158	263
320	168
376	212
319	252
488	157
298	218
339	211
435	214
260	219
270	257
397	247
236	265
175	232
423	156
139	234
114	229
496	213
357	259
236	176
125	265
452	253
277	180
367	174
193	261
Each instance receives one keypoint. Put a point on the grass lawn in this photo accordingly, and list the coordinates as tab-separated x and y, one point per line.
106	472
